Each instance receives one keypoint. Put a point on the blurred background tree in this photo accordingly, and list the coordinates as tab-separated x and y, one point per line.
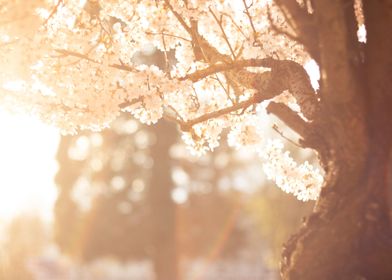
134	193
117	198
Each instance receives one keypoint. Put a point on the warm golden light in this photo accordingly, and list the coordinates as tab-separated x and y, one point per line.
27	164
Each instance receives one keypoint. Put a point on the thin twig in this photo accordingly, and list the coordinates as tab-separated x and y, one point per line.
227	91
130	103
255	35
276	128
236	25
168	35
219	22
54	11
287	18
165	53
85	57
289	117
179	18
278	30
195	99
86	54
176	113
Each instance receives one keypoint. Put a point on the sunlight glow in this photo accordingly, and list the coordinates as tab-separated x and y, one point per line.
361	33
313	71
27	166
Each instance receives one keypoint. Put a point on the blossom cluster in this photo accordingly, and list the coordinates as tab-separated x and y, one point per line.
77	70
302	180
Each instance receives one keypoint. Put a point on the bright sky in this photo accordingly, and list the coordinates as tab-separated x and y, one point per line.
27	166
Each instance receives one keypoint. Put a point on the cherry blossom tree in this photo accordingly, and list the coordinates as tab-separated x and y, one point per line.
238	62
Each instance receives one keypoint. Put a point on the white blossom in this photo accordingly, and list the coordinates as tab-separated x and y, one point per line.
77	71
302	180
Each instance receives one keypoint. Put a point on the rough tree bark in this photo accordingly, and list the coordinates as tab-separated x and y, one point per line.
349	235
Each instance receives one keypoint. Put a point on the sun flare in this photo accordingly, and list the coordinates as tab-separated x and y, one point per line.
28	166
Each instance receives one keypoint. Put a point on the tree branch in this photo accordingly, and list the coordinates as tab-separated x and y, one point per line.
289	117
221	67
85	57
179	18
186	126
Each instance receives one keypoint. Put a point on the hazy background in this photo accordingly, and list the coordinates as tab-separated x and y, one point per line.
132	203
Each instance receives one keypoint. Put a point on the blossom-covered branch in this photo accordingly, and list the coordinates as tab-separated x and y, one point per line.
229	65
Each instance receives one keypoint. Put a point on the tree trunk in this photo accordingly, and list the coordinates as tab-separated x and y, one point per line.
162	206
349	235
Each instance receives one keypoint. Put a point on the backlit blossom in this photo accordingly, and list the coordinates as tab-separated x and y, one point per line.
76	64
